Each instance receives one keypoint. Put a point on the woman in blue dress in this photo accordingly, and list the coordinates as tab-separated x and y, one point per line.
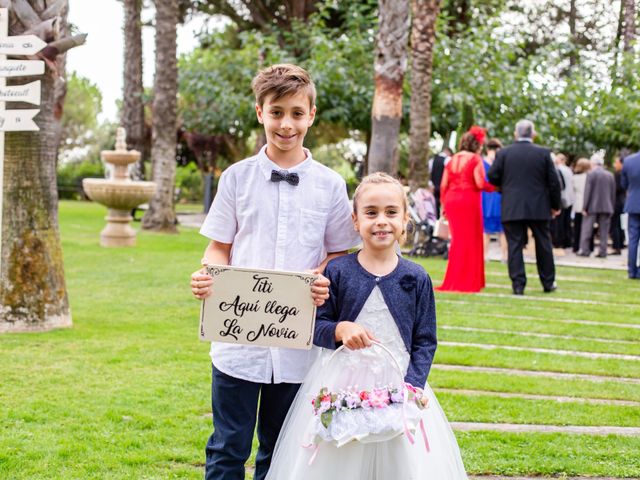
491	205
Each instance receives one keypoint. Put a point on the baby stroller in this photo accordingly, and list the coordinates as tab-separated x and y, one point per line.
422	208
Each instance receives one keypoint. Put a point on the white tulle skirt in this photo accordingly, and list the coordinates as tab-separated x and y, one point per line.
301	455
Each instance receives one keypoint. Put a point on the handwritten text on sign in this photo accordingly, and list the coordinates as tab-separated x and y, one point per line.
259	307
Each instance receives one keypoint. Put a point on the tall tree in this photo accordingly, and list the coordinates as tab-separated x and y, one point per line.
629	24
423	38
161	215
132	118
262	15
33	294
390	66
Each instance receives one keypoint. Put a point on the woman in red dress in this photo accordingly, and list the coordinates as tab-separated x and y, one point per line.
462	184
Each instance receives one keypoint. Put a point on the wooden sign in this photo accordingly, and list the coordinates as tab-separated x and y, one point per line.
259	307
21	68
29	93
21	45
18	120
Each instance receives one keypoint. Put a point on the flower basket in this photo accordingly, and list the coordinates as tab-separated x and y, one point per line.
344	413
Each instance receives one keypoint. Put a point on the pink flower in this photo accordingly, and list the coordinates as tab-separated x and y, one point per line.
364	395
397	396
379	398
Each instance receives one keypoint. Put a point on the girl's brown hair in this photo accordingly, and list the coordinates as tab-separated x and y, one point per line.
379	178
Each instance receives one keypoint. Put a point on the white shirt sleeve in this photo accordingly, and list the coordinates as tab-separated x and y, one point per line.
221	224
340	234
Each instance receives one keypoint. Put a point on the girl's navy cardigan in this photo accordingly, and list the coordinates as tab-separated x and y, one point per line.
408	293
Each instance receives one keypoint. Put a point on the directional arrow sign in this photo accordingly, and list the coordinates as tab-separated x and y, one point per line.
29	93
21	45
20	68
18	120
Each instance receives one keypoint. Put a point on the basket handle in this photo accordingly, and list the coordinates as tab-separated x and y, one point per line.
385	349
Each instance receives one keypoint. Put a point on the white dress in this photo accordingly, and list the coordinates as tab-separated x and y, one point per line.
394	459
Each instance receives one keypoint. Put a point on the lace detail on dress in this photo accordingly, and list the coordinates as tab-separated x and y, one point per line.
376	317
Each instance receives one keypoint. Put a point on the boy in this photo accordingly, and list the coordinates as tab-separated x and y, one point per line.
278	210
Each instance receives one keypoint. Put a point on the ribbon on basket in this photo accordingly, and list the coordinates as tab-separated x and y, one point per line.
365	406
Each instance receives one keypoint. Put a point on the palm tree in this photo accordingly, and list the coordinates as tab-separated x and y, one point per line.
629	24
132	118
390	66
33	294
423	37
161	215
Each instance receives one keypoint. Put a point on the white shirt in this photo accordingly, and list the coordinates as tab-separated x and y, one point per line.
278	226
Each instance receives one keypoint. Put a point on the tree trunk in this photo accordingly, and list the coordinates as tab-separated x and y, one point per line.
132	106
390	66
629	24
573	54
423	37
33	294
161	215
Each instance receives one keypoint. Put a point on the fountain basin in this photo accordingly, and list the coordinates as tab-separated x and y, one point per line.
118	195
120	157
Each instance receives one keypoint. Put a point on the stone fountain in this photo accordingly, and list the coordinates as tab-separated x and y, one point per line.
119	194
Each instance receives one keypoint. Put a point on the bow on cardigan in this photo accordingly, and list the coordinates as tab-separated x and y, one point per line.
290	178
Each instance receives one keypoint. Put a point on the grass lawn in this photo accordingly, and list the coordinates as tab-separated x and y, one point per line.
124	394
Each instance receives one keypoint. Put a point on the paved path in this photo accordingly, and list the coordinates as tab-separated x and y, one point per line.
492	477
538	373
528	396
572	353
535	334
525	428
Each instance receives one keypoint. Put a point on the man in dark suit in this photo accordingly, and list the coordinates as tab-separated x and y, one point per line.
530	188
437	171
617	234
598	206
630	181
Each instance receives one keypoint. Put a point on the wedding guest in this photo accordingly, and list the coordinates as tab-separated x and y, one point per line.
630	181
492	205
437	170
617	233
530	199
561	225
462	182
580	170
599	201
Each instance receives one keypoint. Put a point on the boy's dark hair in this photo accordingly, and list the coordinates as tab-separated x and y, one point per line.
283	80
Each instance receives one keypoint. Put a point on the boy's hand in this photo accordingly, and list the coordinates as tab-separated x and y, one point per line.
353	336
201	283
319	288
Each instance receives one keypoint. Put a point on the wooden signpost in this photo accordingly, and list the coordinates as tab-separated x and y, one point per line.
16	120
259	307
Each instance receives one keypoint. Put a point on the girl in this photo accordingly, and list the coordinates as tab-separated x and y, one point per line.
375	296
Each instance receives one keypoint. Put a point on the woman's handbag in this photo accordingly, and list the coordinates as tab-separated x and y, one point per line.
441	229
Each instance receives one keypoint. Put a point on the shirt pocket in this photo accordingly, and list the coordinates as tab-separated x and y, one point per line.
312	226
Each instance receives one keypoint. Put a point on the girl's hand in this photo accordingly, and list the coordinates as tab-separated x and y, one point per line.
201	283
319	288
353	336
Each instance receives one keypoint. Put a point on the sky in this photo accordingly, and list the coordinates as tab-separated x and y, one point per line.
100	58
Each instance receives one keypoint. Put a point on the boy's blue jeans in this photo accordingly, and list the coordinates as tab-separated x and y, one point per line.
235	411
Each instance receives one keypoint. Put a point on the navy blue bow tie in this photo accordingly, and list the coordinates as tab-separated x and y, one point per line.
290	178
